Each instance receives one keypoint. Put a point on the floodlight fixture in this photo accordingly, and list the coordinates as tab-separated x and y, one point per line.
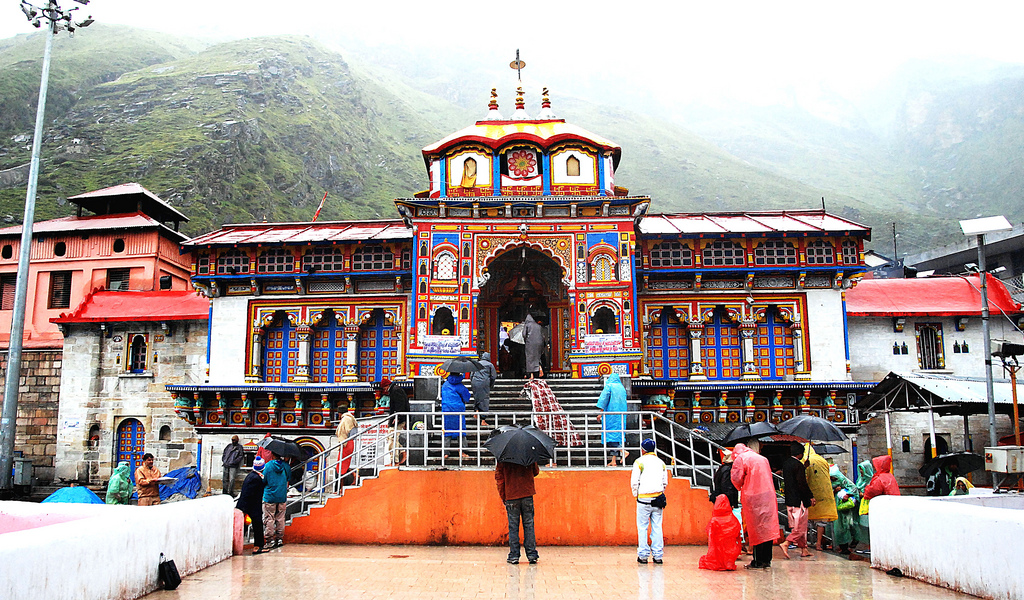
87	22
1005	349
29	10
985	225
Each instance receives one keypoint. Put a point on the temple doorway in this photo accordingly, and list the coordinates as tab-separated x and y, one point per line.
523	281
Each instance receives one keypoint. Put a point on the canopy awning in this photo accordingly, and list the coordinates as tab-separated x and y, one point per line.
944	394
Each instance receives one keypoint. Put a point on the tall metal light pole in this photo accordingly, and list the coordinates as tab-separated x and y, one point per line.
56	20
979	227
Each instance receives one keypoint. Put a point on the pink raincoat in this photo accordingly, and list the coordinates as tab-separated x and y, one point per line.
752	476
884	482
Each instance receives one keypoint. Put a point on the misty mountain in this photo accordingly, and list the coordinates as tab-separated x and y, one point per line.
260	128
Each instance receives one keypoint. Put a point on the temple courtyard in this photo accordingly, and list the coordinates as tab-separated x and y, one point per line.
567	573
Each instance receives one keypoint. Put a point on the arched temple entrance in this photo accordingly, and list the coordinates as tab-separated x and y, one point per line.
524	281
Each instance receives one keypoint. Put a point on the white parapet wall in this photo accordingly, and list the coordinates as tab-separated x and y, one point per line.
971	544
108	552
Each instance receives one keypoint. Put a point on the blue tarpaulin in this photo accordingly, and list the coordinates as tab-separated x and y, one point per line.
188	484
74	495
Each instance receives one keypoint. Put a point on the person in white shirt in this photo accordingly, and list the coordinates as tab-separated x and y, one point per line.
649	480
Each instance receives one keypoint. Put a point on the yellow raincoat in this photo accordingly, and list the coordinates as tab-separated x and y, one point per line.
820	482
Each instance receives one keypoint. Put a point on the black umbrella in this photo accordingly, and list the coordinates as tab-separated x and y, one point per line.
462	364
283	448
749	430
812	428
966	462
520	445
829	449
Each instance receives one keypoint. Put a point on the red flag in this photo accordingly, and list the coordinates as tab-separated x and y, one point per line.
319	208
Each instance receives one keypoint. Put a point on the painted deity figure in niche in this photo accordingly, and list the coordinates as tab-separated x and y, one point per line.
468	173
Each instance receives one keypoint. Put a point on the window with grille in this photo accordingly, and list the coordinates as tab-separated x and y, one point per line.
324	258
7	284
851	255
929	346
723	253
373	258
775	252
445	267
602	269
137	352
276	260
820	253
671	254
406	259
720	346
203	264
117	279
233	262
60	289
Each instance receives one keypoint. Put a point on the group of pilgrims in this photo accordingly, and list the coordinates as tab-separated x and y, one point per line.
820	500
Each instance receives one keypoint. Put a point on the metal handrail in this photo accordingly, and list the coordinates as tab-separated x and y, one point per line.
377	446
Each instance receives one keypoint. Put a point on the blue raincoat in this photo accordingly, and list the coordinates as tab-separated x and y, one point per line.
454	397
613	399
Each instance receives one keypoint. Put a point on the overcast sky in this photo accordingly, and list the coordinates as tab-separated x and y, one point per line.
677	46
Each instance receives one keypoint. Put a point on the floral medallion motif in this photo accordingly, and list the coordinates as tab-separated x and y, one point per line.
522	163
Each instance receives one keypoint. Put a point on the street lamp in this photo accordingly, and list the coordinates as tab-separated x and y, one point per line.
56	19
979	227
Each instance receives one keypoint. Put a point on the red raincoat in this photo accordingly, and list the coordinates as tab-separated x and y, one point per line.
884	482
723	538
752	476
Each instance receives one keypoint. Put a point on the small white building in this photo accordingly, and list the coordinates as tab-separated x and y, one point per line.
930	326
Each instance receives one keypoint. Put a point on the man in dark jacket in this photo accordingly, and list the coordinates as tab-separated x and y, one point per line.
515	486
232	459
798	499
250	502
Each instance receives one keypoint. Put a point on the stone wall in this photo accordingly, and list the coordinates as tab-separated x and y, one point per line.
39	394
98	394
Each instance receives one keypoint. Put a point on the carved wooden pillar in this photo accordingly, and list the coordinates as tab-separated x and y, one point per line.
273	409
221	405
255	359
304	334
325	410
747	329
696	328
300	405
351	353
247	409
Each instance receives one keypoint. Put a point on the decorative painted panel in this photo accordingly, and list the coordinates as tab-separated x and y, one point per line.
131	444
328	364
378	349
668	348
773	348
720	346
280	352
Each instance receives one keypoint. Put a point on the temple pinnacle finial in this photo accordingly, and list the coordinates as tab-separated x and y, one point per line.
520	113
492	106
545	106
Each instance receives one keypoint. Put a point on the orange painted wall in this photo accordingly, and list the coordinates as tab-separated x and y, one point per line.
573	508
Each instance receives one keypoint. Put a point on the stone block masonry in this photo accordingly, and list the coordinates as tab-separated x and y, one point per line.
39	398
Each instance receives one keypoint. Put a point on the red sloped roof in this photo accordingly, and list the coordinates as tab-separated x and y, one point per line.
106	306
932	296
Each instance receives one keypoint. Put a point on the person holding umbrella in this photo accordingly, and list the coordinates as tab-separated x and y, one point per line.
518	450
275	494
482	381
798	500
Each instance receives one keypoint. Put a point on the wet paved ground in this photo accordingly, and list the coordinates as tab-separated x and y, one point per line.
600	573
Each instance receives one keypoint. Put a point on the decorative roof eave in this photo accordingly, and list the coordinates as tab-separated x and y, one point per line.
497	201
303	233
478	133
785	223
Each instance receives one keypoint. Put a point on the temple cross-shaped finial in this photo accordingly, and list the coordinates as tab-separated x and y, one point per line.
518	65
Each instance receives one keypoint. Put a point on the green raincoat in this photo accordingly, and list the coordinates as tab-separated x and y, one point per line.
844	529
865	471
119	489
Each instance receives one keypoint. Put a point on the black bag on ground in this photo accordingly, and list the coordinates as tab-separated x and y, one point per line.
660	502
168	573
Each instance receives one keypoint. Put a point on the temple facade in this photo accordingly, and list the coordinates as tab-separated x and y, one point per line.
716	317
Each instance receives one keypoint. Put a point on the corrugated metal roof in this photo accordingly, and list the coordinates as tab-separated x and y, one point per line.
107	307
121	196
304	233
94	223
931	296
945	393
766	222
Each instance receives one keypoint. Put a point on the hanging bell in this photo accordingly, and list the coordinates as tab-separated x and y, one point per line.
524	287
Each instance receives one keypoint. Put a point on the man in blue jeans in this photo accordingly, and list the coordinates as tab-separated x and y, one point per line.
649	480
515	486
